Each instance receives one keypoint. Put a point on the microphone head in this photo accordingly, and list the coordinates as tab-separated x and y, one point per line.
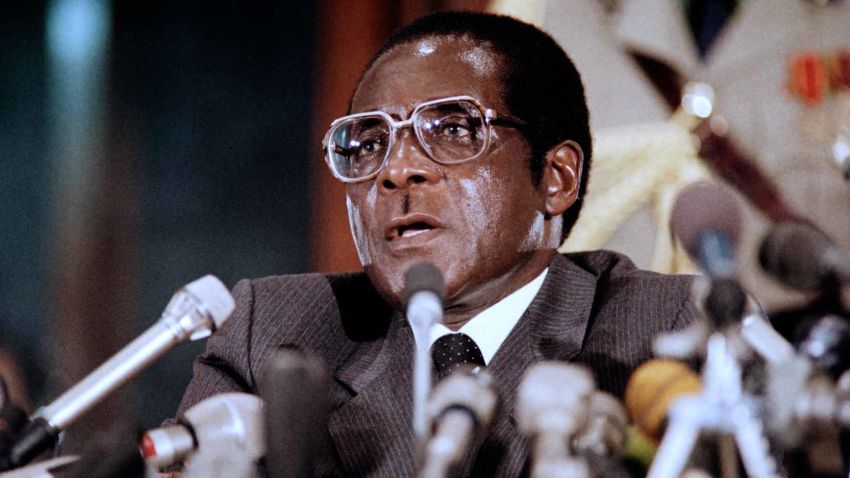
228	431
704	207
295	387
791	252
553	394
652	389
605	433
215	297
423	276
471	391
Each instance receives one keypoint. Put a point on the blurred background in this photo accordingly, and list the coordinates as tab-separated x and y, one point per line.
144	144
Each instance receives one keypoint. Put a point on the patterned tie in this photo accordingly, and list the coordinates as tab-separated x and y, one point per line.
452	351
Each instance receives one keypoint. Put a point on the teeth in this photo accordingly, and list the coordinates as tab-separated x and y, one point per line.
412	232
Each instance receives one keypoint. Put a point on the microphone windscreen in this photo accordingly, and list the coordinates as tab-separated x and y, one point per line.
468	390
793	252
605	432
651	390
423	276
214	296
702	207
552	387
295	388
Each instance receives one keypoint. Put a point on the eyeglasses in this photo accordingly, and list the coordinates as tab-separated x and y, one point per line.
450	130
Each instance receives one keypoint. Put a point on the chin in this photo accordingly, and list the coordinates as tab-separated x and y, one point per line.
388	277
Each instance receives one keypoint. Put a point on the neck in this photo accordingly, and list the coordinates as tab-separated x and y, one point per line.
461	310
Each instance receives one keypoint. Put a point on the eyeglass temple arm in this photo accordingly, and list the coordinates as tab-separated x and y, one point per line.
505	120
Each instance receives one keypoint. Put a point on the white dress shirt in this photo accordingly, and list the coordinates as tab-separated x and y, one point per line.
491	327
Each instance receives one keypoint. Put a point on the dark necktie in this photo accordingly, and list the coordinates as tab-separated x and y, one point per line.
453	351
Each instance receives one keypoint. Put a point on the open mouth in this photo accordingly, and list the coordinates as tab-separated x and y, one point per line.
413	229
411	226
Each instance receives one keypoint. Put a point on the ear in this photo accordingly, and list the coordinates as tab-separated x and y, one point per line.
562	176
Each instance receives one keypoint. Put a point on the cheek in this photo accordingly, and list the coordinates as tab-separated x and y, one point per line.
358	227
475	194
535	235
484	199
502	215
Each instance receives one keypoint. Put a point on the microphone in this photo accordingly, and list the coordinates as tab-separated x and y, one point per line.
295	389
707	220
802	257
195	312
423	289
218	437
551	408
604	435
651	390
461	408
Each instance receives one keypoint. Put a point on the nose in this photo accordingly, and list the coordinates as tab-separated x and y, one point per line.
407	164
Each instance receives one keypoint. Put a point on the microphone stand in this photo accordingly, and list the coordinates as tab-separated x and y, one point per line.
721	407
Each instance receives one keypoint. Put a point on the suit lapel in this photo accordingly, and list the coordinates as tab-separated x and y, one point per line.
372	430
552	328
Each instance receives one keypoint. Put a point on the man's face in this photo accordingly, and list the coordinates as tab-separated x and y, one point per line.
479	222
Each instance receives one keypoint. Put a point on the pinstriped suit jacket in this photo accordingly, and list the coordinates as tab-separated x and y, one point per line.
594	308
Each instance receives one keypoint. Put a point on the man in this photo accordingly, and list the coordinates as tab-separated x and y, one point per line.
468	146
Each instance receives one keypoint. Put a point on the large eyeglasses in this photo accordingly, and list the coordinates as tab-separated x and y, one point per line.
450	130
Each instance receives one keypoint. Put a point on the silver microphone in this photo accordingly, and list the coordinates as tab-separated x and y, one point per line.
551	409
462	407
195	312
604	434
222	436
424	290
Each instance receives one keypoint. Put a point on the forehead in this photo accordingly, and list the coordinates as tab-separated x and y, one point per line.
430	68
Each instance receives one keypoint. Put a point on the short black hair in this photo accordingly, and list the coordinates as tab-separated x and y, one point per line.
542	85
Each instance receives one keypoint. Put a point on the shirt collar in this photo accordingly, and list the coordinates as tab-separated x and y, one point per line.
492	325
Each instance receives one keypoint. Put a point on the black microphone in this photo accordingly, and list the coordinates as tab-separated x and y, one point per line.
295	388
801	256
461	408
707	219
194	312
423	290
218	437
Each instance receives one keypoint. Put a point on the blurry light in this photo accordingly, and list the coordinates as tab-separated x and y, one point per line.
77	30
841	151
698	99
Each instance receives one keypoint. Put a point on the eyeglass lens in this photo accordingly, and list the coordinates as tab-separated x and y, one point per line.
450	132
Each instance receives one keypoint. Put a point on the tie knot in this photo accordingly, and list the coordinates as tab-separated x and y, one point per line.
453	351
